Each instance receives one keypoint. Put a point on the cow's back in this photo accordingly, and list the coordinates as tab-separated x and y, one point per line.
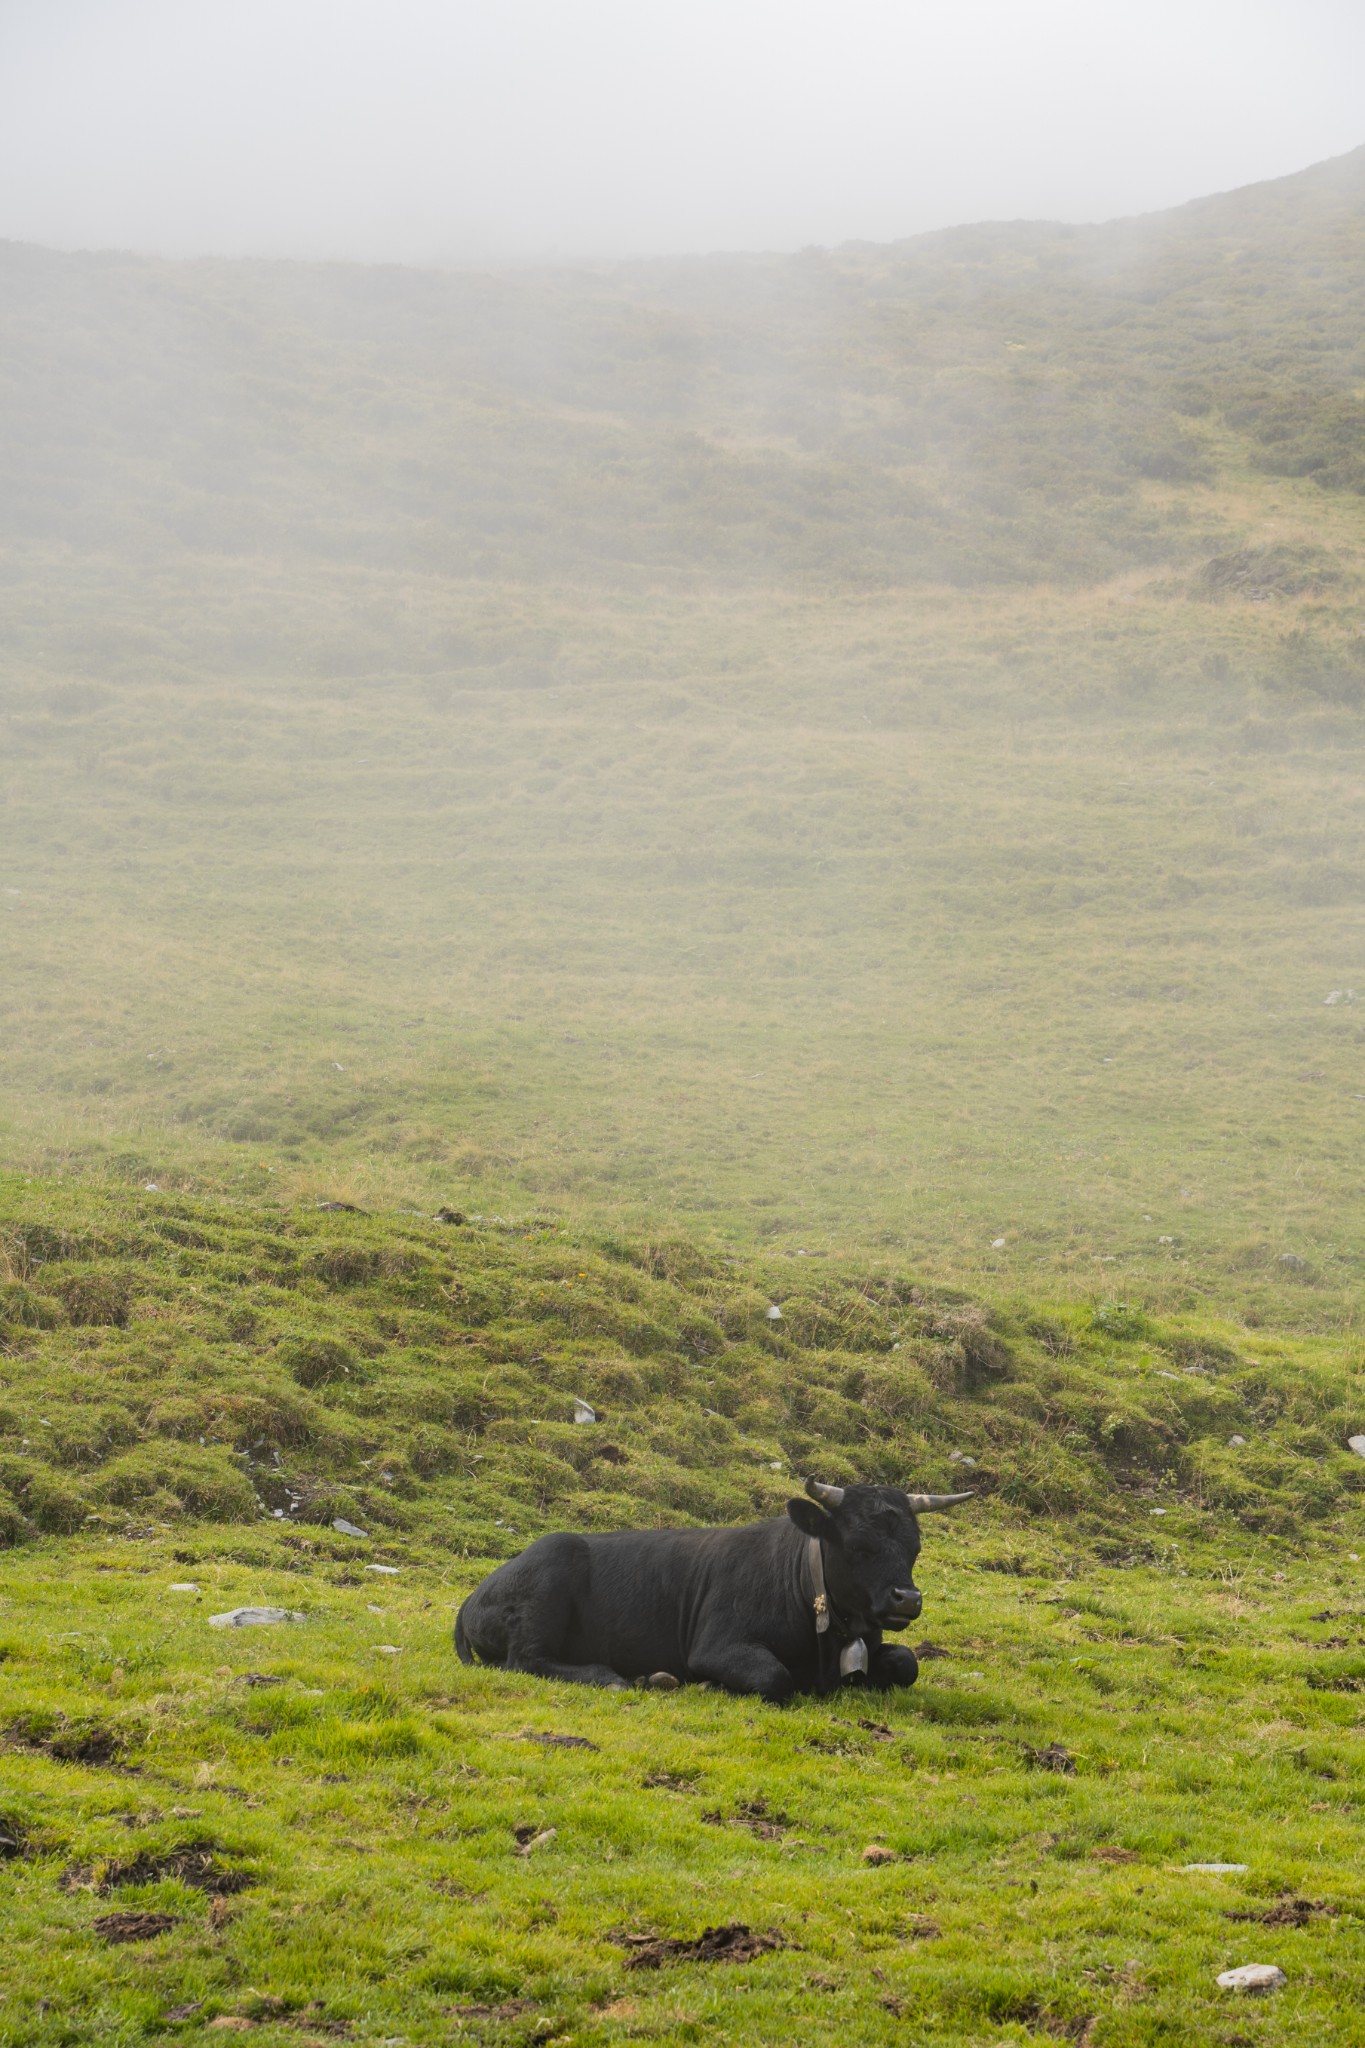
636	1601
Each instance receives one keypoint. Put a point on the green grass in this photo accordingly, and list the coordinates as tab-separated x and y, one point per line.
831	782
1183	1616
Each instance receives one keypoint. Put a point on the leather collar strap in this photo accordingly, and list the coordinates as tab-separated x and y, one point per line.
815	1559
853	1656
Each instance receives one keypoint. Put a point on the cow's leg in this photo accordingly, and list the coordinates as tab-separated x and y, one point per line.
576	1674
892	1664
744	1667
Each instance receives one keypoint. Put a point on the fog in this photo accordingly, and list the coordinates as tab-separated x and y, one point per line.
444	131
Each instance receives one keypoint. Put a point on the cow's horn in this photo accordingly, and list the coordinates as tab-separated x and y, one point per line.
926	1503
828	1496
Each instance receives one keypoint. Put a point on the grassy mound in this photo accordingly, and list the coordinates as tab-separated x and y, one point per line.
1147	1652
169	1360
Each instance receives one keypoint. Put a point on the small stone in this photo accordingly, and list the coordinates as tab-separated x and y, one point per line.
1252	1977
345	1528
390	1571
1356	1444
252	1617
1216	1869
1236	1440
877	1852
182	1586
997	1244
583	1412
388	1649
774	1314
662	1681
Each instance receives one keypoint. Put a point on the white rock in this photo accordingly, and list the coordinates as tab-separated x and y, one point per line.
774	1314
582	1412
997	1244
390	1571
1252	1977
345	1528
1236	1440
1156	1511
1216	1869
252	1617
388	1649
1356	1444
183	1586
1165	1240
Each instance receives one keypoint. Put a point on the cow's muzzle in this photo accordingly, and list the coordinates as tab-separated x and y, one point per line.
906	1606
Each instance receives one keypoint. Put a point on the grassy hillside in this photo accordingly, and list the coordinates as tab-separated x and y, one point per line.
1151	1637
972	407
761	749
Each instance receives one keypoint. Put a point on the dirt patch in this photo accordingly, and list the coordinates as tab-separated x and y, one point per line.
879	1729
1288	1911
134	1926
1110	1852
196	1866
1055	1757
734	1943
926	1652
757	1816
69	1742
669	1781
510	2009
549	1741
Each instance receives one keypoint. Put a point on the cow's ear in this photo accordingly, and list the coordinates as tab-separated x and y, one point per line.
811	1520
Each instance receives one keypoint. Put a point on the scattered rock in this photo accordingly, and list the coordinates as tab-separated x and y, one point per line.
549	1741
1216	1869
345	1528
1293	1261
182	1586
583	1412
1252	1977
133	1926
1235	1442
1356	1444
774	1314
388	1649
390	1571
1055	1757
252	1617
877	1852
734	1943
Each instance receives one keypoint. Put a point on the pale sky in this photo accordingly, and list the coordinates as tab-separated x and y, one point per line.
459	131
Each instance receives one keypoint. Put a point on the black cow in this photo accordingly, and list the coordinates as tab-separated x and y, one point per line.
792	1605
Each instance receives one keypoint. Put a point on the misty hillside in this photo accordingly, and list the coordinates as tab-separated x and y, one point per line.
995	403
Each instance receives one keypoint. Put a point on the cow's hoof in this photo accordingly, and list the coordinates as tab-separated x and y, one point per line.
661	1681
